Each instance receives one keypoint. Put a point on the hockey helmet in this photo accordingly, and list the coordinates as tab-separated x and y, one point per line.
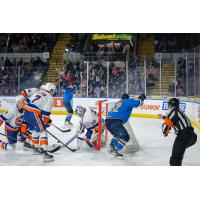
42	87
80	111
50	87
125	96
19	98
173	102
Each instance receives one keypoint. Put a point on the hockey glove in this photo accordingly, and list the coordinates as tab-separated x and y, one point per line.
21	137
48	123
165	131
141	98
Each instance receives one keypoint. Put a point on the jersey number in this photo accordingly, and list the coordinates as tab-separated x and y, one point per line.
36	98
116	107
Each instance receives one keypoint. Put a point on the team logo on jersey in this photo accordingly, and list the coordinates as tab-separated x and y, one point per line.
165	106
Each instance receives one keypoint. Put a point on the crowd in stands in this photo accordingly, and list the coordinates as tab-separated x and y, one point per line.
16	75
108	51
176	42
181	78
97	79
77	42
26	42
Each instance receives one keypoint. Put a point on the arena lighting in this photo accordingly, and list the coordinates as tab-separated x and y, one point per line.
66	50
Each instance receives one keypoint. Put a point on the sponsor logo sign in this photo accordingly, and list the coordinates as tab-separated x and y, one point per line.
165	106
58	103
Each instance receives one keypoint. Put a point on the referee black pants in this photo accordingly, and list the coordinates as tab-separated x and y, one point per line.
183	140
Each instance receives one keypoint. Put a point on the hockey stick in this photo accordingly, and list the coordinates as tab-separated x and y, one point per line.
12	138
20	141
72	150
67	143
87	141
64	131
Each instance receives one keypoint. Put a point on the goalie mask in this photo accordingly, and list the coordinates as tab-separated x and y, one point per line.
80	111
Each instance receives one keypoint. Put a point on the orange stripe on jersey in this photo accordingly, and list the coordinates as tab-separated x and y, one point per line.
34	110
168	122
23	94
23	128
8	128
1	122
39	122
43	142
46	119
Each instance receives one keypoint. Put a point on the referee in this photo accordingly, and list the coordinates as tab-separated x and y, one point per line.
183	129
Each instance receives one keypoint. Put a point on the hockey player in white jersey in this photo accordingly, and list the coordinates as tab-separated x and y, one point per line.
28	92
88	122
25	94
13	119
37	117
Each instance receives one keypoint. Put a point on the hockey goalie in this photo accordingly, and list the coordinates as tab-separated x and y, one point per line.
87	130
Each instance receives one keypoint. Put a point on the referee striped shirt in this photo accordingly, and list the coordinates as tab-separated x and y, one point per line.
176	119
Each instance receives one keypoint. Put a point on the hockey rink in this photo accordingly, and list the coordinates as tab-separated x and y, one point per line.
155	149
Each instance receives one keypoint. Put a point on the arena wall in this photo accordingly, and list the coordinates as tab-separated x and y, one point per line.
150	109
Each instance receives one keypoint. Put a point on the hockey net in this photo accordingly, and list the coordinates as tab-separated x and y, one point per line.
103	107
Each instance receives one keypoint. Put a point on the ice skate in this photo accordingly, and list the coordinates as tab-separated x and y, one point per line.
37	150
111	149
47	157
27	146
115	154
68	124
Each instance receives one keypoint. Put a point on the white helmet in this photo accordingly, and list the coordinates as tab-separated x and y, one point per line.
80	111
19	98
50	87
42	87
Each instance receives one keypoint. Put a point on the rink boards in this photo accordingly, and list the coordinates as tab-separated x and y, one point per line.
150	109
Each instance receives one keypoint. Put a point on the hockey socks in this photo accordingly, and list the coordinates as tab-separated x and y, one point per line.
6	146
3	145
68	117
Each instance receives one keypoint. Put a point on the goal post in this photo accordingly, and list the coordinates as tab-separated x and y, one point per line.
102	109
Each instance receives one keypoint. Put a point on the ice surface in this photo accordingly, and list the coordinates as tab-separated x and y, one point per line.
154	149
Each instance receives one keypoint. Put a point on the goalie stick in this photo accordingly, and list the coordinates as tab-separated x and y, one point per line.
64	131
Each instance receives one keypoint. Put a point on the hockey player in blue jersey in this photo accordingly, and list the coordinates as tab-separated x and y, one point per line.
69	87
116	119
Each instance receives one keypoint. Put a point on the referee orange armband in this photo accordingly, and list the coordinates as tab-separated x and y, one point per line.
168	122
